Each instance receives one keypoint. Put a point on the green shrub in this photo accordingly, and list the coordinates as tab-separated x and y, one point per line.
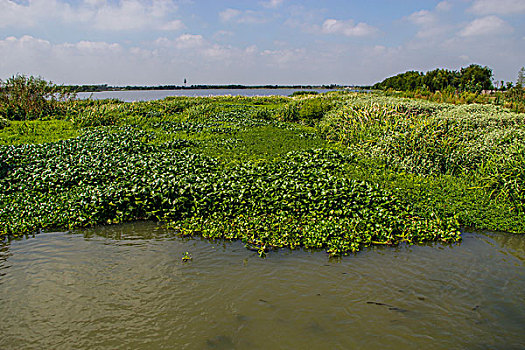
303	92
308	110
26	98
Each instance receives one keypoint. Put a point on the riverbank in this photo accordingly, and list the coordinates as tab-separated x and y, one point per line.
336	171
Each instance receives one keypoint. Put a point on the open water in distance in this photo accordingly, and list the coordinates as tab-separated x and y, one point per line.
126	287
148	95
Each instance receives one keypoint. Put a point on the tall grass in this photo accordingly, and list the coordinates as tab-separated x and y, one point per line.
28	98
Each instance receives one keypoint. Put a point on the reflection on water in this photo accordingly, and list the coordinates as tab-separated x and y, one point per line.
127	287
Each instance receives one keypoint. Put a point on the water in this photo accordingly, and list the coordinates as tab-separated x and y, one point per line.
126	287
148	95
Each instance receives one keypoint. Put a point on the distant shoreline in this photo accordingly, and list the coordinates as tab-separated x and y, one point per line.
102	88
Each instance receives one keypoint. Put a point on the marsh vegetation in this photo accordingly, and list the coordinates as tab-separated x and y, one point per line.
335	171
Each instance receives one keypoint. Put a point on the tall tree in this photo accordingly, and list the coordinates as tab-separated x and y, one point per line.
521	77
475	78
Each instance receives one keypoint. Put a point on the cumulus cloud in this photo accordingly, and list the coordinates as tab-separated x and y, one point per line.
500	7
100	14
423	17
347	28
184	41
489	25
132	15
245	17
432	23
229	14
187	41
20	14
444	6
272	3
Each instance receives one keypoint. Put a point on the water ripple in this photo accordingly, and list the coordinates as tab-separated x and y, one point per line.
127	287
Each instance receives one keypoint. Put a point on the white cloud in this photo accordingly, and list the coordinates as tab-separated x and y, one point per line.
272	3
444	6
500	7
172	25
423	17
188	41
245	17
489	25
100	14
28	14
133	15
348	28
184	41
432	25
229	14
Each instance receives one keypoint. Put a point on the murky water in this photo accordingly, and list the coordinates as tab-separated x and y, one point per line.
126	287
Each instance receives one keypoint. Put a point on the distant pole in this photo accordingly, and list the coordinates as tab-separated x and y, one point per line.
185	81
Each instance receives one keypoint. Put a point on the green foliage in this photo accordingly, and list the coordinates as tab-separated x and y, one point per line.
520	82
394	170
307	110
473	78
480	147
36	131
303	93
120	176
27	98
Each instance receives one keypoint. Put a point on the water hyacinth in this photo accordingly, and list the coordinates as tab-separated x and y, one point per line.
336	172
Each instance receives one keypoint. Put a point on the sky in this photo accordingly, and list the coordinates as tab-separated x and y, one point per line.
283	42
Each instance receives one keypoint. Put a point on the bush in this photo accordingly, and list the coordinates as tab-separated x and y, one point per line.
27	98
303	92
308	110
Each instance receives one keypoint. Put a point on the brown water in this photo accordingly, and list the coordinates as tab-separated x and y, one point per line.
126	287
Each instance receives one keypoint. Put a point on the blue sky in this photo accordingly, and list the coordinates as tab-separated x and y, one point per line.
150	42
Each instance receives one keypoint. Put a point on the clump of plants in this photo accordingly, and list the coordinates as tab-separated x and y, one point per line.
475	149
307	110
114	175
28	98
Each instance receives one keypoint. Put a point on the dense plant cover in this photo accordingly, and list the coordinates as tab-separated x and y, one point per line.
26	98
372	170
476	150
473	78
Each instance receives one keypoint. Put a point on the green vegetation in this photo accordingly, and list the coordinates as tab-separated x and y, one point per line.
472	84
473	78
332	171
27	98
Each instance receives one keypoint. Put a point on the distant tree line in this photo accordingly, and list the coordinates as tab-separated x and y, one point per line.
473	78
105	87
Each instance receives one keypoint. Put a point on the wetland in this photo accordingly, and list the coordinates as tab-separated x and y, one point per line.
337	220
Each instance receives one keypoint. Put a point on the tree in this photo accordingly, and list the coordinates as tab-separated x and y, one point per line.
521	77
475	78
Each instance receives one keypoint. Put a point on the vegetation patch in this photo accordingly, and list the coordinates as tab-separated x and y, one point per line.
333	171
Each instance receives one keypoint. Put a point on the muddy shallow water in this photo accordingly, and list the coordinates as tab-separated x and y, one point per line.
127	287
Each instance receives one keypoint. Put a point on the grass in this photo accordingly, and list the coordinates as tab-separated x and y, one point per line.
37	131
